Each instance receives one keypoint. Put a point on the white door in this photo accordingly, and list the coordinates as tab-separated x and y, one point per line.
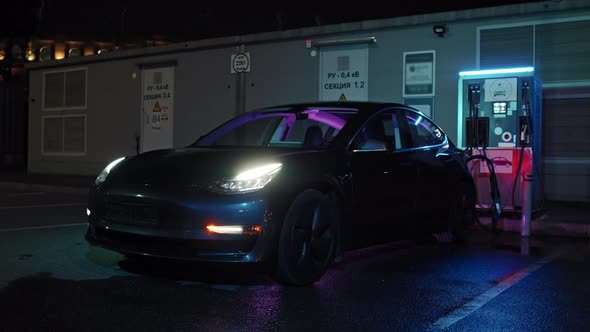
157	114
344	73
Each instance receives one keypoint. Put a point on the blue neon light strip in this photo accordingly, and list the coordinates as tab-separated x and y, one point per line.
498	71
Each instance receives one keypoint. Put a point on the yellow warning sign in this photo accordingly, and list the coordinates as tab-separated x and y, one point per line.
342	97
157	108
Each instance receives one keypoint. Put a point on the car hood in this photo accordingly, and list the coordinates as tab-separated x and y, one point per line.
198	167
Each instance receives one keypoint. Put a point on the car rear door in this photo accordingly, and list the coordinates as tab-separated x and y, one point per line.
435	168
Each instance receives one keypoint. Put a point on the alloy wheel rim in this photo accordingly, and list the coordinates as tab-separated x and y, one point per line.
312	237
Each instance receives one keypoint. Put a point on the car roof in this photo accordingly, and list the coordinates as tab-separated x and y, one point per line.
361	106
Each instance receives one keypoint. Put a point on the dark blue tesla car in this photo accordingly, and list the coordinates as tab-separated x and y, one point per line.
289	187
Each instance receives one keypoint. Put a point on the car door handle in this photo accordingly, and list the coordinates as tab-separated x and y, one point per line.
444	156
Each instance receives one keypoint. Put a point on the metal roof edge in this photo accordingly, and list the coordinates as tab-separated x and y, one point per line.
552	6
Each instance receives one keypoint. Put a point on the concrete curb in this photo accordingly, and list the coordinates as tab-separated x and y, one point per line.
43	187
542	227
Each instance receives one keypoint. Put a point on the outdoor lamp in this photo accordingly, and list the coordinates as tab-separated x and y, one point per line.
439	30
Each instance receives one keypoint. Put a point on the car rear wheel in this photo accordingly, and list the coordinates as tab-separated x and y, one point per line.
307	241
459	216
461	213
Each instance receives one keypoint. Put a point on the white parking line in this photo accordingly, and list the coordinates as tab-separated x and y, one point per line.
40	206
468	308
27	194
41	227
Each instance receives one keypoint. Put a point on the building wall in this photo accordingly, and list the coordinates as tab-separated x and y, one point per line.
111	125
205	93
204	97
282	71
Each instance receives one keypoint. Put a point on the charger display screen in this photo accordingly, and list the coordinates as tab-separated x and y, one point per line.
500	107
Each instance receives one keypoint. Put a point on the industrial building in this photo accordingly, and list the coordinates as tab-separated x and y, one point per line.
87	111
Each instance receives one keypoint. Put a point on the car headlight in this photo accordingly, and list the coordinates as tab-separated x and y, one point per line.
249	180
105	172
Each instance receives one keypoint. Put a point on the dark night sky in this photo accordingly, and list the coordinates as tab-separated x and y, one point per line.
176	20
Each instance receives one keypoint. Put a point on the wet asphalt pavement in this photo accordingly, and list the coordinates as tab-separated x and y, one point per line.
52	280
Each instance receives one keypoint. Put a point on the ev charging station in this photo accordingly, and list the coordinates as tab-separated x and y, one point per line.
499	123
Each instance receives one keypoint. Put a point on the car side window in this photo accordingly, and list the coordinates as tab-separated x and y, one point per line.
381	132
423	131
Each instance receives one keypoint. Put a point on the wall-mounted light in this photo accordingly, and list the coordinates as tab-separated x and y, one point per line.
103	51
439	30
88	50
16	52
2	54
45	53
73	52
60	51
30	54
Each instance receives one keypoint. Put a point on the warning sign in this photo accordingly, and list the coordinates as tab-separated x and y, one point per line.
342	97
157	108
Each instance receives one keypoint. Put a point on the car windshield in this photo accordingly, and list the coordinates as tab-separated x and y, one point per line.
310	128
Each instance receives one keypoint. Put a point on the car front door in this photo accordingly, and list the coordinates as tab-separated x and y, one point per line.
384	179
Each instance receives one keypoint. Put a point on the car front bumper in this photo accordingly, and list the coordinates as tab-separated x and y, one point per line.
173	224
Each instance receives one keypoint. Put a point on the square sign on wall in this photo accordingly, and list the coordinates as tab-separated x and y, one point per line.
157	108
419	69
344	73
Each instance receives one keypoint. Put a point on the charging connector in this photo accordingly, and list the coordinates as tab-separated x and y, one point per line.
494	191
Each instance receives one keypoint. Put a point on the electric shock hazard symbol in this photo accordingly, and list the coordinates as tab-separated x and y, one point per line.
342	97
156	118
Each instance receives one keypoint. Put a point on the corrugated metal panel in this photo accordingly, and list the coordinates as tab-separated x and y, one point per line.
562	51
566	129
506	47
566	144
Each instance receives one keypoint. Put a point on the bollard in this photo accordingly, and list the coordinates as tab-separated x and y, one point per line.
525	246
527	197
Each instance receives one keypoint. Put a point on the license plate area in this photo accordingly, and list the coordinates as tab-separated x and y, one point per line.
132	214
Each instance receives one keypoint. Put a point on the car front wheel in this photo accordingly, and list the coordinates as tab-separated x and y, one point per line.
307	241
